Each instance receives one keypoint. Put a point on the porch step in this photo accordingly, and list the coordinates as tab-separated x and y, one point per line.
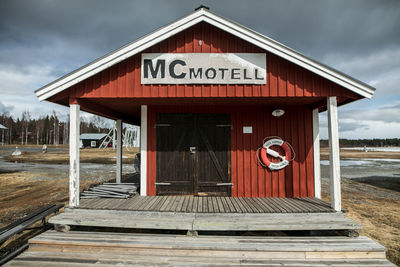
205	221
109	249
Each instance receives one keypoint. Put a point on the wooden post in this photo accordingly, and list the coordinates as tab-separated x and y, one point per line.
143	151
334	160
316	149
74	119
119	151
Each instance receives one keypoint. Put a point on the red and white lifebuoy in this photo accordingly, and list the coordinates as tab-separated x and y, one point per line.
266	150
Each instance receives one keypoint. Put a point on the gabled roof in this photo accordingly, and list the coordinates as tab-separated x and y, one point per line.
3	127
92	136
204	15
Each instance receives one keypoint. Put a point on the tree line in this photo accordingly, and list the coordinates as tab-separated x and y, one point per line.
49	129
376	142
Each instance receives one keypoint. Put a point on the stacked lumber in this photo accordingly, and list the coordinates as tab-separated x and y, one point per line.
111	190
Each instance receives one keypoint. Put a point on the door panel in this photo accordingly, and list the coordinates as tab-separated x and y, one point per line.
173	160
214	154
193	154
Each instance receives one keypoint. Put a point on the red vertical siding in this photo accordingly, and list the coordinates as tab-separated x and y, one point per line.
283	78
250	179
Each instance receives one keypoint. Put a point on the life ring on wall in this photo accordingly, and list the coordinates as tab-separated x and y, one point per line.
266	150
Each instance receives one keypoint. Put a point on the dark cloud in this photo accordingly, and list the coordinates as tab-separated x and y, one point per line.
93	27
5	109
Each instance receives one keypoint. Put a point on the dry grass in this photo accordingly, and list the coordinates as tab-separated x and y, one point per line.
24	192
377	209
356	154
101	156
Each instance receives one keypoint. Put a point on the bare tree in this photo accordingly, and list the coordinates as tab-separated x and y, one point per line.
26	116
98	122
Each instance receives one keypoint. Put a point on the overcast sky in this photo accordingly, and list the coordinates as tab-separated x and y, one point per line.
43	40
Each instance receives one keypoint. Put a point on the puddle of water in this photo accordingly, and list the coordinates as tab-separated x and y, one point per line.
345	163
379	149
58	171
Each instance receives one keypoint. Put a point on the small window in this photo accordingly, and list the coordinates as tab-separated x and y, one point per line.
93	143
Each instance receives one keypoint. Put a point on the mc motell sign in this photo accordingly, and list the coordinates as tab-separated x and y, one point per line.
204	68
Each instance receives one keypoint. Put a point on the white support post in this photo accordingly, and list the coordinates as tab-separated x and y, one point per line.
114	141
316	149
143	151
119	152
74	119
334	159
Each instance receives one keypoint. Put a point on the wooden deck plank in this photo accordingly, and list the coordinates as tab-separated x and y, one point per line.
269	205
320	203
166	203
266	208
193	208
199	204
215	221
210	204
144	203
185	204
179	204
215	205
189	206
225	205
232	203
149	203
247	208
137	203
77	248
230	208
159	204
221	207
310	205
82	259
238	205
276	205
256	205
295	206
300	206
292	203
98	203
173	203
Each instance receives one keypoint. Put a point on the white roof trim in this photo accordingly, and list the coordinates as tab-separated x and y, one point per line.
194	18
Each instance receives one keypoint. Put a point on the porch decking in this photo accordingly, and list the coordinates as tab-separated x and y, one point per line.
209	204
207	214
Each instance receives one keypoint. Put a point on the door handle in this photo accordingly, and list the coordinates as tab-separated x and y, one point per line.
192	149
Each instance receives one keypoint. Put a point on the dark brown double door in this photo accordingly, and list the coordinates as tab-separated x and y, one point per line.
193	154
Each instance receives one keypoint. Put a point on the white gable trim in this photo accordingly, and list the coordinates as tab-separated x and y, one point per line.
219	22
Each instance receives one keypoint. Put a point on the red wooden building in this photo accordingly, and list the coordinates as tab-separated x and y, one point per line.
204	90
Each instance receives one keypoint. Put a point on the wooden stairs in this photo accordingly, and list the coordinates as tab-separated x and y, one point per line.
77	248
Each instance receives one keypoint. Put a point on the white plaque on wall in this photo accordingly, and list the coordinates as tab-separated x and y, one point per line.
247	129
204	68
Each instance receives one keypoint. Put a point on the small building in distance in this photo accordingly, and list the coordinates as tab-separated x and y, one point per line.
2	128
92	140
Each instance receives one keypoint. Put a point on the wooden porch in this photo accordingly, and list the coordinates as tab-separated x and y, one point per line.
193	204
190	213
